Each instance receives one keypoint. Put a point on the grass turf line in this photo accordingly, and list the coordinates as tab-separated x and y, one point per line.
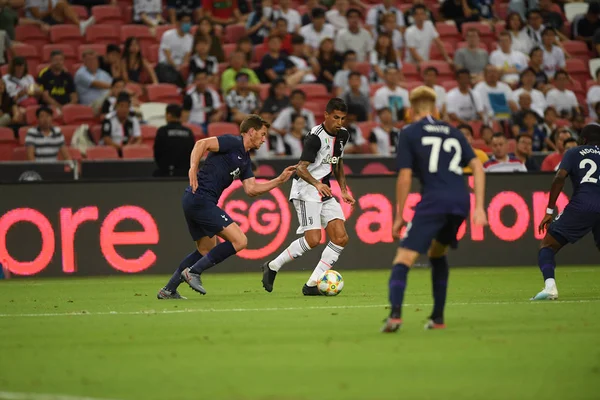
511	350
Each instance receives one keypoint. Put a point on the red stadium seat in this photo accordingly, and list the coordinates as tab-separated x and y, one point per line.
148	134
22	133
373	87
161	29
448	33
7	144
32	35
461	45
259	52
228	49
73	152
265	171
576	49
68	51
449	84
480	144
135	89
196	130
578	70
410	71
108	15
367	127
164	93
222	128
476	126
376	168
77	114
444	70
31	118
98	48
103	34
66	34
138	152
140	32
19	154
151	53
314	90
68	131
233	33
29	53
102	153
435	54
81	12
364	68
485	31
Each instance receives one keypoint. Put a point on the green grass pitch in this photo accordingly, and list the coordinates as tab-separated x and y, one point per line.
241	343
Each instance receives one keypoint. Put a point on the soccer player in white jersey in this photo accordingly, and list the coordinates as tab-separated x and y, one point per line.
313	200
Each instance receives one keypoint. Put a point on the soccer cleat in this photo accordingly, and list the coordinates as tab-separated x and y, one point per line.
193	280
310	290
431	324
391	325
164	294
546	294
268	277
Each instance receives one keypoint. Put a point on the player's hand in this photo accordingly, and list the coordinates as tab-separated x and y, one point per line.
287	173
324	190
193	179
545	222
397	226
480	217
348	198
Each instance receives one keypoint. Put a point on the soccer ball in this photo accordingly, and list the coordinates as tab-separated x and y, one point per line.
330	283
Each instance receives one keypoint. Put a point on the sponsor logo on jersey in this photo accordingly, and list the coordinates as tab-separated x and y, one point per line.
235	173
329	159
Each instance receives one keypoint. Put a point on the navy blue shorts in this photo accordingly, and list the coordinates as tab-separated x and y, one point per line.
424	228
571	225
203	217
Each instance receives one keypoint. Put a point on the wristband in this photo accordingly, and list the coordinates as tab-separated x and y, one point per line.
550	211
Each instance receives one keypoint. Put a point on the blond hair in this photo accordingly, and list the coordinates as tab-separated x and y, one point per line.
422	100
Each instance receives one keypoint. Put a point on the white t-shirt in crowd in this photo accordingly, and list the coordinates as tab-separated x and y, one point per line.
178	46
314	38
303	65
553	61
152	8
336	19
561	100
484	90
440	99
361	42
521	42
420	40
538	101
293	18
375	12
593	96
514	59
395	99
464	105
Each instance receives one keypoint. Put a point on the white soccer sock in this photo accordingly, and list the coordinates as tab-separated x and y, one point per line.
294	250
550	284
328	258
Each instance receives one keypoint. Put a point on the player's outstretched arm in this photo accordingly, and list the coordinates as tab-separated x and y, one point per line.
480	216
557	186
303	173
201	147
340	176
253	189
402	190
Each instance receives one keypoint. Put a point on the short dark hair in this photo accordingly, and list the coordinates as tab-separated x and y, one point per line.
298	92
354	73
241	74
429	69
55	53
462	71
498	135
534	11
123	97
546	30
347	54
528	113
419	7
281	19
317	12
297	39
253	121
182	15
353	11
174	110
534	50
42	109
523	135
526	71
569	140
550	108
467	127
505	33
382	109
591	134
354	109
336	104
113	48
561	72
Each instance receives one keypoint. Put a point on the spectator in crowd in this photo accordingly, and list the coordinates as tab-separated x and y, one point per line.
281	30
390	28
501	161
191	7
174	52
530	128
518	33
376	15
535	27
120	128
245	46
430	76
354	96
336	16
486	133
173	145
9	112
201	60
277	99
552	161
57	85
496	97
136	68
518	117
201	104
354	37
562	99
276	64
550	17
207	29
383	138
260	21
554	57
420	36
226	12
55	12
589	24
317	30
463	104
509	62
597	110
355	135
459	11
44	141
92	83
293	140
340	80
577	125
536	63
329	63
523	152
486	10
307	17
283	122
593	96
20	85
392	96
238	64
303	64
409	15
111	61
9	19
382	56
549	126
538	101
109	103
241	101
467	131
293	18
149	13
472	58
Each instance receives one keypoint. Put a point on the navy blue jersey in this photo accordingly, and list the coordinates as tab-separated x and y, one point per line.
221	168
437	153
582	164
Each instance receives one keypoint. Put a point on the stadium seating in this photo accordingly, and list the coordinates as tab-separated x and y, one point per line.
448	33
32	35
222	128
66	34
196	130
107	15
98	48
485	31
148	134
140	32
7	143
19	154
233	33
68	51
138	152
102	153
103	34
164	93
154	113
78	114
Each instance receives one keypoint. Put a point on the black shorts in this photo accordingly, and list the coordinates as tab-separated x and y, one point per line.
50	20
571	225
203	217
424	228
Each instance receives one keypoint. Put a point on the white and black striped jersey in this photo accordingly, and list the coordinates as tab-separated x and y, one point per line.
246	104
210	65
120	132
385	141
46	147
323	150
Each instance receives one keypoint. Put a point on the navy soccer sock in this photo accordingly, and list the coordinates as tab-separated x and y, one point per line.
546	262
439	281
218	254
187	262
397	287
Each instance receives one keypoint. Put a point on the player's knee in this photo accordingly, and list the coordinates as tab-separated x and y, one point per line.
341	240
313	238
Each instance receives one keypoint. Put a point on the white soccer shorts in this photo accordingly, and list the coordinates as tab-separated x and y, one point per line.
316	215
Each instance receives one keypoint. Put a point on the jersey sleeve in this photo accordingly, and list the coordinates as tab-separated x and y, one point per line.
187	102
106	128
228	143
247	171
567	161
404	156
312	145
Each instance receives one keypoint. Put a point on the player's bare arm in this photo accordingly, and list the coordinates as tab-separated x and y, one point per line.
253	189
302	171
201	147
340	176
557	186
403	184
479	217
